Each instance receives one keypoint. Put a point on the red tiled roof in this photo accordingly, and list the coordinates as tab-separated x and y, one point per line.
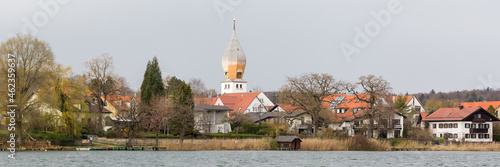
287	107
112	98
423	114
451	114
205	100
483	104
238	101
350	103
408	99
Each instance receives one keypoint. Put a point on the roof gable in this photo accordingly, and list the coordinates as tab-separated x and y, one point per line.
238	101
456	114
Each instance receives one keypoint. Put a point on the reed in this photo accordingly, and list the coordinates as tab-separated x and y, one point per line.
219	144
351	144
467	147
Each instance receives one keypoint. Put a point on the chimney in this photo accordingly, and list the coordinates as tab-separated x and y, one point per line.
460	106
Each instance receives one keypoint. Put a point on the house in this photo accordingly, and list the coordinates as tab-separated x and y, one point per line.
210	119
483	104
389	124
472	124
244	102
289	142
414	105
94	115
119	105
298	122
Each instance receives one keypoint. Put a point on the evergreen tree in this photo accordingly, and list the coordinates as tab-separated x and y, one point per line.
400	105
492	110
182	102
173	84
433	92
152	84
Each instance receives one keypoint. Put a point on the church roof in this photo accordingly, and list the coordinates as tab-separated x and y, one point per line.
233	60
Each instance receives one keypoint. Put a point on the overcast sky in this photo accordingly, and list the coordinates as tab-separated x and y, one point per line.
424	45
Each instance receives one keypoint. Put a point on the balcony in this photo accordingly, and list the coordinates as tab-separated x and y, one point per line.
477	130
479	120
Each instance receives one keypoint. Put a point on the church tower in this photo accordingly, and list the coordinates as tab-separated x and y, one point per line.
233	64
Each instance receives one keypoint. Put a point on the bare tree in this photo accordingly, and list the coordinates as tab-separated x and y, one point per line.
308	92
133	121
198	87
32	58
122	86
100	81
374	89
158	114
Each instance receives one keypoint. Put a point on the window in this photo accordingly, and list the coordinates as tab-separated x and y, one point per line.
349	100
480	126
434	135
440	135
487	126
238	75
478	115
472	136
396	122
434	126
338	110
455	135
343	110
357	100
445	125
441	126
473	126
467	136
487	136
343	101
455	125
480	136
467	125
450	125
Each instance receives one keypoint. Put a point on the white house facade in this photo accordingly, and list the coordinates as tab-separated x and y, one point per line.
462	124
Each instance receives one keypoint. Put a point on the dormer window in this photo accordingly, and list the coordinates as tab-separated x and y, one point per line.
238	75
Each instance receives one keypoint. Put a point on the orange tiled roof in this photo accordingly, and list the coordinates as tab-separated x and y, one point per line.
238	101
423	114
205	100
287	107
483	104
112	98
408	99
349	103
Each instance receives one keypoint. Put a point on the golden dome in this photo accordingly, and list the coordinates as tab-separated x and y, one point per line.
233	60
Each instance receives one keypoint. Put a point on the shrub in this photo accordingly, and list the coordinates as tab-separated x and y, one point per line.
113	134
274	145
100	133
260	132
496	137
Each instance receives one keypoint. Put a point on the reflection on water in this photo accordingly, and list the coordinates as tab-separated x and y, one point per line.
251	158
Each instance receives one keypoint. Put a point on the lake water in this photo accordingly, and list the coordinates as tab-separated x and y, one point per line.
251	158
